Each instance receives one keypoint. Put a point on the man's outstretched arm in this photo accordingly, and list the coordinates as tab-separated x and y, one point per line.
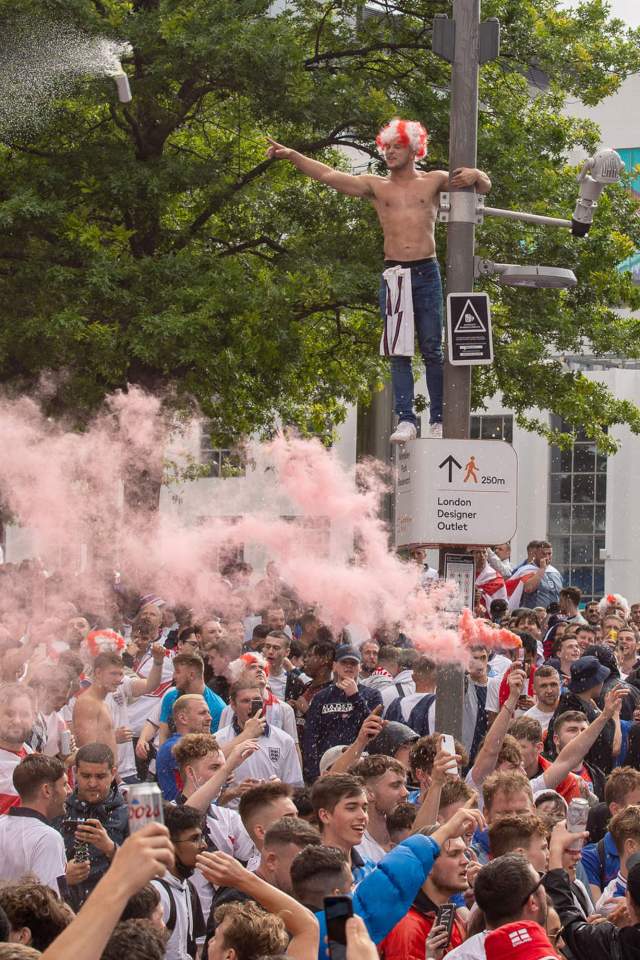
468	176
361	186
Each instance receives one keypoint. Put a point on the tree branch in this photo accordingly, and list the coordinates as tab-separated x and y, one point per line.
320	58
249	245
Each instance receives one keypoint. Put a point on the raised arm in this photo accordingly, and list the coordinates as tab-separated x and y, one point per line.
371	727
575	751
222	869
487	757
206	794
361	186
143	856
142	685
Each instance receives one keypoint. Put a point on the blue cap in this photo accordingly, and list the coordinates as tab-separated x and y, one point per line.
346	652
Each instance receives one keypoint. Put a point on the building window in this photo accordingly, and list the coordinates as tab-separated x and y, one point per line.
577	512
220	461
484	427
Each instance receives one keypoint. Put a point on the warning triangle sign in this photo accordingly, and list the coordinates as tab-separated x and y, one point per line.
469	320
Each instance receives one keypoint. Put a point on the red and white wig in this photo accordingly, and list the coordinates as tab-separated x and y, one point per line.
251	659
611	601
104	641
409	133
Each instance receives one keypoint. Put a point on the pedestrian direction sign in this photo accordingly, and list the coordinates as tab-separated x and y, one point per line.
469	336
455	492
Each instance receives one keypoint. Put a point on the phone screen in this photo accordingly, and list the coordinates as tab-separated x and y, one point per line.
337	911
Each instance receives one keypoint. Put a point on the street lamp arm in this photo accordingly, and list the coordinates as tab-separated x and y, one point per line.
526	217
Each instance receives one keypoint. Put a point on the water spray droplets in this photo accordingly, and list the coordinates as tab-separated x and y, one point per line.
41	63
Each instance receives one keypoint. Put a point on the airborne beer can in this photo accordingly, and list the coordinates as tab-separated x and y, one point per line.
145	805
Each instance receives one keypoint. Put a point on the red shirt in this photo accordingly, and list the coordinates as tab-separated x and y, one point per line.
407	940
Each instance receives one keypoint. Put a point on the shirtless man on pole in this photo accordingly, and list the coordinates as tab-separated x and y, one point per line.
100	714
406	202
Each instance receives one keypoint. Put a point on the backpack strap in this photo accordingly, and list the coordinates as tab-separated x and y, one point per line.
170	924
602	863
400	689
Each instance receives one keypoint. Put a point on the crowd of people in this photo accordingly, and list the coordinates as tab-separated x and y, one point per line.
297	764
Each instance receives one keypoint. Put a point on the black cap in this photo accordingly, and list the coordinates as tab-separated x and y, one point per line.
393	736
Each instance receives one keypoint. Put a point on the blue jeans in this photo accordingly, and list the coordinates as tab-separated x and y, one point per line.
426	288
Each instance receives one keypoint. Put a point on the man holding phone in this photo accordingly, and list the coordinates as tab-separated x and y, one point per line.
276	756
408	939
96	816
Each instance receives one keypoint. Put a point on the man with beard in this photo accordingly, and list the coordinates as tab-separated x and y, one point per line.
408	939
385	783
96	817
17	716
180	904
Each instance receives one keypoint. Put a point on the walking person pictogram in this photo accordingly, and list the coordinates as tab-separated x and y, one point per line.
472	470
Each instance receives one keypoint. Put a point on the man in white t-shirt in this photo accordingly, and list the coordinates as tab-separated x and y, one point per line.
275	649
277	756
101	714
251	667
28	843
546	690
17	716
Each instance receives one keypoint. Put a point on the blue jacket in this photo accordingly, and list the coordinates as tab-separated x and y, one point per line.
384	896
334	718
167	768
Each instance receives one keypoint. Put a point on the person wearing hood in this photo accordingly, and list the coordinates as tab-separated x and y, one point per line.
337	712
96	819
181	909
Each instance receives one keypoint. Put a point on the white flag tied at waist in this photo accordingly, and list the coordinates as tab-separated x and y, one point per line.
397	338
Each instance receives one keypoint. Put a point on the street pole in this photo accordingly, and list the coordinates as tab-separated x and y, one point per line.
463	149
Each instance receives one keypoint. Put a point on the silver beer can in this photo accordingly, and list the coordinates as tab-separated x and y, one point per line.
145	805
577	820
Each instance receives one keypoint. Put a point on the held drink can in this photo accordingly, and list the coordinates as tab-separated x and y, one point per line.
65	743
145	805
577	820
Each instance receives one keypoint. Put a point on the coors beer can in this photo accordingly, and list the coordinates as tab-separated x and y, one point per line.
145	805
65	743
577	820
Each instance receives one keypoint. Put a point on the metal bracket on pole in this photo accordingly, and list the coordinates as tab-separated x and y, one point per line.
461	207
489	40
443	37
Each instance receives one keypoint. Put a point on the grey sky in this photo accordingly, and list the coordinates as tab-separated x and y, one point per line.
628	10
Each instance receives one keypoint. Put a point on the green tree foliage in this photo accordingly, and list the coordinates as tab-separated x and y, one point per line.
155	244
